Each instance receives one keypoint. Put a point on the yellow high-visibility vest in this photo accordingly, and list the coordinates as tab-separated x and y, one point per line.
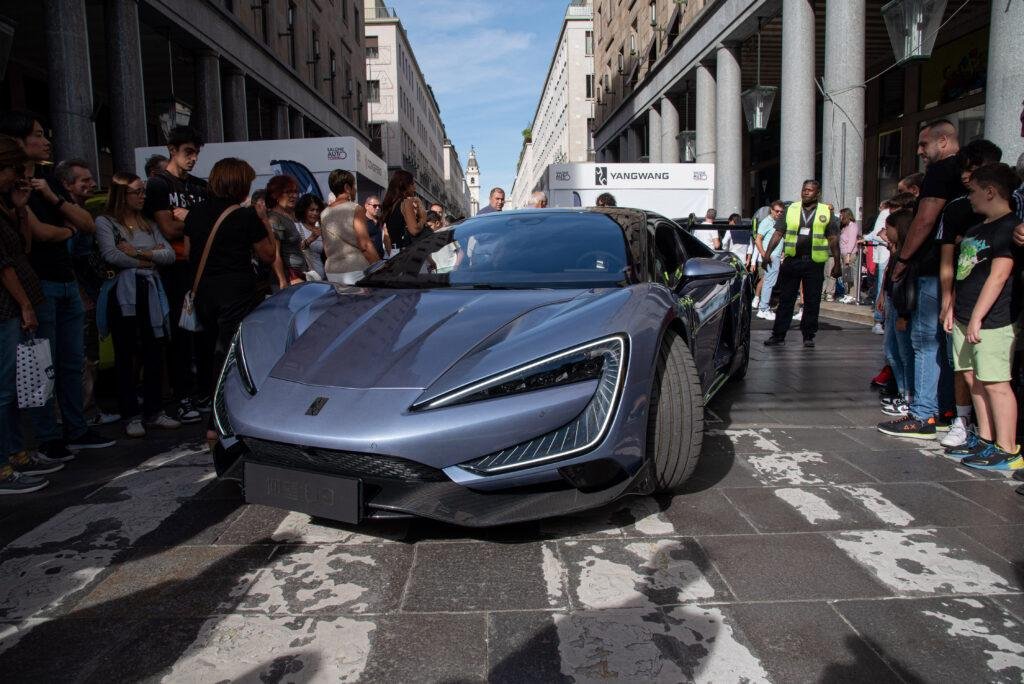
819	243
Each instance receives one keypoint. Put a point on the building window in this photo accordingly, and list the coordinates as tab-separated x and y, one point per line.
355	22
372	51
344	11
590	86
590	135
377	138
314	58
261	8
332	64
588	43
373	91
291	33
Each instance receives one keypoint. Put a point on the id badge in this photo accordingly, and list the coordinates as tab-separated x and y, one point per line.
805	231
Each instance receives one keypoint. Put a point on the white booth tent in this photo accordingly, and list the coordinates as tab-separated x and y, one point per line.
308	160
672	190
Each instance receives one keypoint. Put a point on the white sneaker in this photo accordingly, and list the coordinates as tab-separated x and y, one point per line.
766	314
134	427
163	421
756	303
878	329
798	315
957	434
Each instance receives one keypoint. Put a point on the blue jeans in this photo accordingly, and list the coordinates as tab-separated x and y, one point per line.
11	441
62	321
879	276
771	276
899	352
933	376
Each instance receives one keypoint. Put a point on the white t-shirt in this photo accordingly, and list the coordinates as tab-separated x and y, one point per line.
706	235
880	254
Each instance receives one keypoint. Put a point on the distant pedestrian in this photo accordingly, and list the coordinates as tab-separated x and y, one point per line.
849	235
170	195
763	237
134	305
372	207
401	211
308	211
155	164
348	249
911	184
496	201
709	236
438	208
606	199
810	233
434	222
538	200
282	196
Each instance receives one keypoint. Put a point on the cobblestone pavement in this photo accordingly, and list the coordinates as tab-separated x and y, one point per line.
807	548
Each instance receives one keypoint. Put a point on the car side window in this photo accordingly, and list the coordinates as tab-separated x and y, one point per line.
669	254
692	246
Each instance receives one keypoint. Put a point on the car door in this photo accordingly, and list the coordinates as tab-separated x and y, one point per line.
708	305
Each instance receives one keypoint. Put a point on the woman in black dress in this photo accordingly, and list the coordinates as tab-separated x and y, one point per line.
402	212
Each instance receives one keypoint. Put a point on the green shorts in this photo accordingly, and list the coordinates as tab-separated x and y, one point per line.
991	359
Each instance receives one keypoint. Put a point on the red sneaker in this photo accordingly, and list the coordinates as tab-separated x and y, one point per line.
883	377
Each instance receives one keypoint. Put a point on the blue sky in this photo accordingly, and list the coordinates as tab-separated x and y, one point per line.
486	62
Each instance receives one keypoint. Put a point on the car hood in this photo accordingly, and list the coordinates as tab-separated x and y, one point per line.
362	338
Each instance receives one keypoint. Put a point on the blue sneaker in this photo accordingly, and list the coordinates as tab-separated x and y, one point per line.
971	447
994	458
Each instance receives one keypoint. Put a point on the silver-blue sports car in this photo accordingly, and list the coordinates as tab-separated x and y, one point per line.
515	366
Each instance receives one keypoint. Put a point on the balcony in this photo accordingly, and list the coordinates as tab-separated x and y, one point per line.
378	10
579	9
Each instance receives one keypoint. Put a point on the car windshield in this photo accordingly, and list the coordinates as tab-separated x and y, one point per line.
542	249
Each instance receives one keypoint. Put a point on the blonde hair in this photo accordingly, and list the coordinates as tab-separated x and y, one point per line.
117	201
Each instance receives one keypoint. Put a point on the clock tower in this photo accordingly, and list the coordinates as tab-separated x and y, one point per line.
473	182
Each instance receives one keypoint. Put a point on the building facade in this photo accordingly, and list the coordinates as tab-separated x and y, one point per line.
672	77
562	124
405	121
456	190
112	76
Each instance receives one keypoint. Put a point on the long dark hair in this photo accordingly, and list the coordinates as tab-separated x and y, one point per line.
398	188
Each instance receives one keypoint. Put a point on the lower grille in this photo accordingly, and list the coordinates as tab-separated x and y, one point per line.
371	466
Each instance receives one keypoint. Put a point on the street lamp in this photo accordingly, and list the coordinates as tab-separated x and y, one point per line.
758	101
912	27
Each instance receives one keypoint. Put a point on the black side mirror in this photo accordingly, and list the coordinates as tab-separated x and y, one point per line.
705	269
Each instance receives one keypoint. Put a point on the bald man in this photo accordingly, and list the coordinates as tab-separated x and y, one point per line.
937	145
538	200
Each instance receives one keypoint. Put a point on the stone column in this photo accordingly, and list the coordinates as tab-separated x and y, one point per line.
298	125
842	121
623	149
208	118
281	121
236	114
1004	91
705	143
70	82
669	132
632	144
124	58
798	97
729	133
653	136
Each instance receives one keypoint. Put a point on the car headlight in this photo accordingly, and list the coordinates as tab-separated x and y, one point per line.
235	360
603	360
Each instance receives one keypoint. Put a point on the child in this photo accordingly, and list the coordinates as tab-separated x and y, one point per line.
982	320
898	349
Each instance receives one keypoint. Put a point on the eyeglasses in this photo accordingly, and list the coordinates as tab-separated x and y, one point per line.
373	205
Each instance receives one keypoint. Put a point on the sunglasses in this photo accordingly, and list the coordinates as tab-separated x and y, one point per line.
373	205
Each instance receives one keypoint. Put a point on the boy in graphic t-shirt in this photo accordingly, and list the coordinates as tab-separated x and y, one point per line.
985	312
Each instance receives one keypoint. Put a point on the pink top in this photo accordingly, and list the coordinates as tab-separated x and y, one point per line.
848	238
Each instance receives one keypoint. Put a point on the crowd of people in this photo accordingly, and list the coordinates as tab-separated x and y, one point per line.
165	269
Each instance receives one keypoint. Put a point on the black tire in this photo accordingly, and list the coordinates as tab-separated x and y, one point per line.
675	421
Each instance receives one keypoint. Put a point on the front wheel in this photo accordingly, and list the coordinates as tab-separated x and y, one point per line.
675	421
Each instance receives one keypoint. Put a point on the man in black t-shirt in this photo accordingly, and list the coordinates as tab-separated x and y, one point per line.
170	194
55	220
933	377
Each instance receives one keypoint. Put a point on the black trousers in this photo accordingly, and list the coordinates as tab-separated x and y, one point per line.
221	305
794	271
136	348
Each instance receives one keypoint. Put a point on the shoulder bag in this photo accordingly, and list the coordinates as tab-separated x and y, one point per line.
189	320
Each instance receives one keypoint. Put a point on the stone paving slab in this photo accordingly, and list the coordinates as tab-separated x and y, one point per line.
808	547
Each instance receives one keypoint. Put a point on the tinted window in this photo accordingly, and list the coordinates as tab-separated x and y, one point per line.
513	250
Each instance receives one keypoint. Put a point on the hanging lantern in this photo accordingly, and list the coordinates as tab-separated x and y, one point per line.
757	106
687	146
912	27
758	101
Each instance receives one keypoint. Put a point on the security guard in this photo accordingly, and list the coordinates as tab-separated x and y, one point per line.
811	233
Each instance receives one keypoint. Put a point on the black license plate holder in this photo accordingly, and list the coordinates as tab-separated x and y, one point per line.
318	494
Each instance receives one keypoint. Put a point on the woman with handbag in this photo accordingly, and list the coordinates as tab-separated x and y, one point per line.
223	236
134	302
